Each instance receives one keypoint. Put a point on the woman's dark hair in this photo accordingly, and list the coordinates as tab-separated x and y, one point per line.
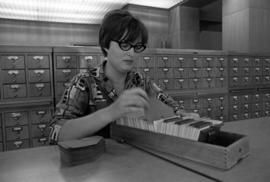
117	23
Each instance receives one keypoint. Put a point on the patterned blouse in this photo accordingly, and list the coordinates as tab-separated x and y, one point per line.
91	90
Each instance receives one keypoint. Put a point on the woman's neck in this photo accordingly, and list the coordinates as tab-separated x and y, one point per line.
117	78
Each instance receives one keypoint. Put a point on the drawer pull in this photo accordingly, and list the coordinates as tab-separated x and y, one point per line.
41	127
13	58
166	81
18	144
15	87
66	72
181	80
39	72
38	58
17	129
39	86
88	58
41	112
13	72
16	116
165	69
146	69
42	140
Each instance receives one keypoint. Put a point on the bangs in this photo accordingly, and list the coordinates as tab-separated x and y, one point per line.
135	31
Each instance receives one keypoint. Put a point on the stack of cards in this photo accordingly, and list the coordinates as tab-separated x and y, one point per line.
200	129
80	151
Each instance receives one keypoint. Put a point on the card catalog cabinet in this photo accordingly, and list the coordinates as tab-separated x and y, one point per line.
26	96
69	61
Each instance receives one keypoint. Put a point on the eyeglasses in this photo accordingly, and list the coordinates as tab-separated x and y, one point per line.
125	46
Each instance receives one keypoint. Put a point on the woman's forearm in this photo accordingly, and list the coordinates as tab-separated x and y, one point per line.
85	126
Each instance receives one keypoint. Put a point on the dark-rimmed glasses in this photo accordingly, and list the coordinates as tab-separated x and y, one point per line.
125	46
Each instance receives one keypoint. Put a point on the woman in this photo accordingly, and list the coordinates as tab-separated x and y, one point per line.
106	93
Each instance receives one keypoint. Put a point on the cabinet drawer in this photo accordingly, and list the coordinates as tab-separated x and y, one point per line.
165	72
60	88
14	91
40	89
40	116
65	61
18	144
15	118
42	141
38	61
149	72
181	83
13	76
65	75
147	61
39	75
12	62
183	61
181	72
164	61
17	133
40	130
88	61
166	84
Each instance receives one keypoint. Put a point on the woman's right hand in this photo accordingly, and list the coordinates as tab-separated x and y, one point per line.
131	102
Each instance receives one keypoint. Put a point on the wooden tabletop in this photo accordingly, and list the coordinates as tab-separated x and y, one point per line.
124	163
120	163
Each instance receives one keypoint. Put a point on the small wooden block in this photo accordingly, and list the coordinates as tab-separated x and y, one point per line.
74	152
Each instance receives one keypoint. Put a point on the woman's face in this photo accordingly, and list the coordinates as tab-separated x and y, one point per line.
120	60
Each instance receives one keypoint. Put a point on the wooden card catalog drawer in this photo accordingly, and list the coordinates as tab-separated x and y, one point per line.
41	75
65	61
180	83
180	72
13	76
165	72
38	61
147	71
15	118
166	84
164	61
60	88
13	62
17	133
88	61
40	116
14	91
40	141
40	130
147	61
40	89
18	144
64	75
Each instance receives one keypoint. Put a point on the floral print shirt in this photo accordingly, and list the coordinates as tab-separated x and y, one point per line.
91	90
